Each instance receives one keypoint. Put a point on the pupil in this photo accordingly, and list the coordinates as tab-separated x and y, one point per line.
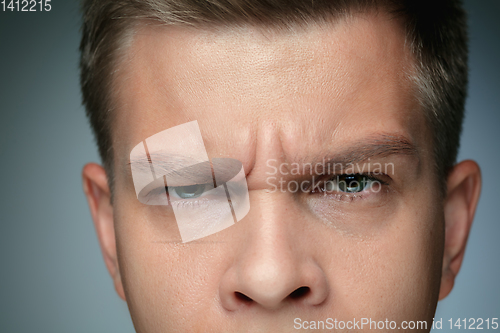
352	183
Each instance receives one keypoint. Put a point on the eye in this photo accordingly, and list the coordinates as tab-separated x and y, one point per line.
189	192
349	183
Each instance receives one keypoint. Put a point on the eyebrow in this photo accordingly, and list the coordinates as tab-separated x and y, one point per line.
184	169
177	167
164	161
374	146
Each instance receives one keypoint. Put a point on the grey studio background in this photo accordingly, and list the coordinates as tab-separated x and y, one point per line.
52	276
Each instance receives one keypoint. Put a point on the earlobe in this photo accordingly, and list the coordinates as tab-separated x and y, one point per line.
463	189
95	186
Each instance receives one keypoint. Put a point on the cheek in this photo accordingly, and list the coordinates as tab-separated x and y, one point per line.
165	282
394	274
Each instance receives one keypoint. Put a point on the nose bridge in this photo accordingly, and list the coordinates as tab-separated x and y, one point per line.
269	251
270	267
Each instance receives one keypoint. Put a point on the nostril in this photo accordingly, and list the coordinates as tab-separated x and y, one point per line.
242	297
299	292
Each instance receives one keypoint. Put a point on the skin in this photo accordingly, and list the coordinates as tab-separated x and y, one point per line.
289	96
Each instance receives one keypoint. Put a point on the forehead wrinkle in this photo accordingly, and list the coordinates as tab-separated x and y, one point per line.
195	98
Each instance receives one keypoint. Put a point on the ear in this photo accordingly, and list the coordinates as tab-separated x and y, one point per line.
464	187
95	186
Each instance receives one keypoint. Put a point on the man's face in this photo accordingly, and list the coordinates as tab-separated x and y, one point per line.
268	98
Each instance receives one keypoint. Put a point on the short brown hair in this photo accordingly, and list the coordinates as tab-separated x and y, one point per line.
436	34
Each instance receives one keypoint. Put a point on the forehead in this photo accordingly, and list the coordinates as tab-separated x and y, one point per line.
331	82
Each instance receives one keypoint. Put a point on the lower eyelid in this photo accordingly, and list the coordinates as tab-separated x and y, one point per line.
348	196
363	196
198	203
186	203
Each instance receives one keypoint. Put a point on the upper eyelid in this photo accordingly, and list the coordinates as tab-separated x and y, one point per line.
373	176
173	187
158	189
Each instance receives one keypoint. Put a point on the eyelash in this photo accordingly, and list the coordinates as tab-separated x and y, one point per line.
346	196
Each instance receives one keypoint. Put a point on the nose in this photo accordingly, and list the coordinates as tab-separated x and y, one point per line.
273	266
